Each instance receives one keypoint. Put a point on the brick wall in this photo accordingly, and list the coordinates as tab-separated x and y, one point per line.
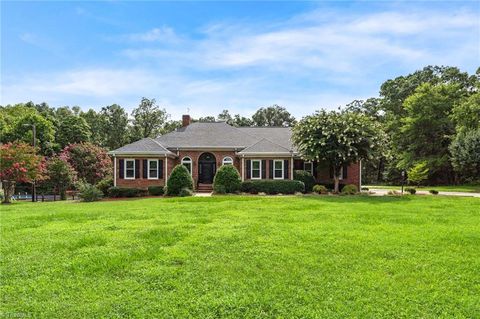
140	182
353	175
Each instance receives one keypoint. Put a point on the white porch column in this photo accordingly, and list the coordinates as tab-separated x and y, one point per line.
114	170
291	168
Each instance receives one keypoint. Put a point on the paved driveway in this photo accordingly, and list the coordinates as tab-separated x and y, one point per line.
379	191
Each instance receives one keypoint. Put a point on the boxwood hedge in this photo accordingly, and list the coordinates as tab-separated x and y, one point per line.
273	186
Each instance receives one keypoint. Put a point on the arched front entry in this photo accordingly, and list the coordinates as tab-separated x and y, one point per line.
206	168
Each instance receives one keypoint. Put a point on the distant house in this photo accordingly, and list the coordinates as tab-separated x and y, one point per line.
257	152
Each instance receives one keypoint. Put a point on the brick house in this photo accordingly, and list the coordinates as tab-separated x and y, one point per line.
257	153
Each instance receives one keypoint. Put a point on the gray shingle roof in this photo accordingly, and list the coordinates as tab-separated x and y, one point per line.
265	146
145	145
247	140
218	134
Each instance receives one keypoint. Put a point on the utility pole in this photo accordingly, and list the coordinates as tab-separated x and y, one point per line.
34	129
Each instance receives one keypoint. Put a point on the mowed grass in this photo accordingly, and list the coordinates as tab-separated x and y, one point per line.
243	257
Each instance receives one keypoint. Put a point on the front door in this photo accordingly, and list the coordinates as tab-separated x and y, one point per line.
206	173
206	168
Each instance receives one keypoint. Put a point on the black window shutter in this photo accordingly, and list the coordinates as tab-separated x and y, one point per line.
160	169
121	166
331	171
137	168
145	167
270	171
345	171
285	169
249	163
264	169
315	169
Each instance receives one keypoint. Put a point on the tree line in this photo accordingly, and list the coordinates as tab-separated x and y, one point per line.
111	127
430	121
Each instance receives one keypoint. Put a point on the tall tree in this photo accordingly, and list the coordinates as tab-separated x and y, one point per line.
148	119
97	124
338	138
465	155
273	116
72	129
115	121
427	129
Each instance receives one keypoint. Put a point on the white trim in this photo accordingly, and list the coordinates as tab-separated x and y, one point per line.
114	171
189	161
360	175
259	169
148	167
230	161
274	169
125	168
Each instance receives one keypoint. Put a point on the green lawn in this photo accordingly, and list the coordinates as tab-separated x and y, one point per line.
249	257
469	188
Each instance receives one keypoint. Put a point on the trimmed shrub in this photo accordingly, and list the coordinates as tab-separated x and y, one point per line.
89	193
306	178
125	192
433	192
184	192
179	178
273	186
350	189
104	185
320	189
155	190
219	189
227	180
411	190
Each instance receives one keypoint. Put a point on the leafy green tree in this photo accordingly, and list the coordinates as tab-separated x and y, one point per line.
23	131
225	117
273	116
115	121
465	155
338	138
240	121
206	119
171	126
97	126
418	173
466	114
148	119
60	175
72	129
427	129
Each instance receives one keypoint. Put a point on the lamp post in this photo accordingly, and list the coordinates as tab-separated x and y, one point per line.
34	129
403	180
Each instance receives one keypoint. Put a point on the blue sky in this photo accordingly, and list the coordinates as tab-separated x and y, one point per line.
208	56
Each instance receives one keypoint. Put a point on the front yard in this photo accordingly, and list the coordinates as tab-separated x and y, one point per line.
233	256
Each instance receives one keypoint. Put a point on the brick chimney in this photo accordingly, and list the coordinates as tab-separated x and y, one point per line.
186	120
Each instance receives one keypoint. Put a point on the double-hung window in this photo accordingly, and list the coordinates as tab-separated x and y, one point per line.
256	169
129	169
278	169
152	169
308	167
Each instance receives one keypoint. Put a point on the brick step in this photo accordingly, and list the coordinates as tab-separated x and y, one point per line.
204	188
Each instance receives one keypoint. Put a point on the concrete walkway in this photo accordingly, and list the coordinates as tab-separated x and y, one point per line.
381	192
203	194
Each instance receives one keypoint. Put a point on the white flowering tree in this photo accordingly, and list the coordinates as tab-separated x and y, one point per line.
338	138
